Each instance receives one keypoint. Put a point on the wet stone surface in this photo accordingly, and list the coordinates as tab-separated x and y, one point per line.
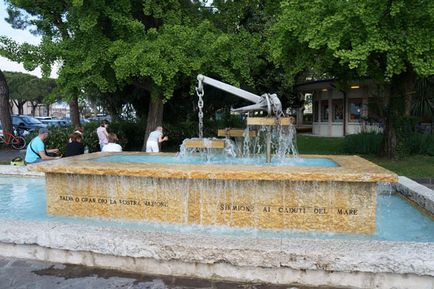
29	274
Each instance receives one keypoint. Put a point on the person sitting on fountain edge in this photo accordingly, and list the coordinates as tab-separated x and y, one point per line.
154	139
75	146
112	145
36	151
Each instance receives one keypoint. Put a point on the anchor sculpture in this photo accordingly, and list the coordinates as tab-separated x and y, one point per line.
269	103
266	102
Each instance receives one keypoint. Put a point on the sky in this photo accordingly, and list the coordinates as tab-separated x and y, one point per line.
19	36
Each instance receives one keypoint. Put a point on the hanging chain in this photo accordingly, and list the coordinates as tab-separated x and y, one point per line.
200	114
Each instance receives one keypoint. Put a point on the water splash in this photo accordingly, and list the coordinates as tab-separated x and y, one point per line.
206	152
283	145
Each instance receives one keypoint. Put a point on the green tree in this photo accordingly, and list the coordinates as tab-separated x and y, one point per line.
255	17
5	114
24	87
49	19
137	52
389	41
140	52
25	54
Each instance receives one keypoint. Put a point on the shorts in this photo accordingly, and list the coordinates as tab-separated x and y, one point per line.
152	147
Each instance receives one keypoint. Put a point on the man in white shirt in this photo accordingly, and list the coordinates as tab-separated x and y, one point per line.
154	139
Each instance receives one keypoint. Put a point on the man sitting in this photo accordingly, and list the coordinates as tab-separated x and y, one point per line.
36	151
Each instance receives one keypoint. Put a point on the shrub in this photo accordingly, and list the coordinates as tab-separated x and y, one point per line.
90	137
418	143
363	143
130	133
177	133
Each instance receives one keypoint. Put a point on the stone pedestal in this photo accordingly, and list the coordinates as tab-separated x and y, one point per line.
299	205
234	132
205	143
270	121
337	199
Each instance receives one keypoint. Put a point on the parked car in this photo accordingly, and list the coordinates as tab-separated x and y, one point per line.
41	118
26	122
15	131
55	122
100	117
82	120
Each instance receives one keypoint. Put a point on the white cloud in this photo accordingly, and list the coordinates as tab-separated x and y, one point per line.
7	65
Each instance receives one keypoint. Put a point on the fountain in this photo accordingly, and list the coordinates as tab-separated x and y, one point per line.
224	210
333	194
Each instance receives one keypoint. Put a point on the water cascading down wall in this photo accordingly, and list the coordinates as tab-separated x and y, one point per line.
336	199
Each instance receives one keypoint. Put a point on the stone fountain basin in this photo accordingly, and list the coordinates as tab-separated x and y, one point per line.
332	199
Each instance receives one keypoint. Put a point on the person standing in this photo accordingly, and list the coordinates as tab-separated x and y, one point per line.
112	145
36	151
102	133
154	139
75	146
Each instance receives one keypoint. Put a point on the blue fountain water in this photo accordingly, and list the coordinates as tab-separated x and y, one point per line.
312	162
24	199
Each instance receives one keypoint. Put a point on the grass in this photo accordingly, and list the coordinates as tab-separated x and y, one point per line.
320	145
416	166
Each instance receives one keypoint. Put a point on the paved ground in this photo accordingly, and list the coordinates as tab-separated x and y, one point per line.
6	155
27	274
427	182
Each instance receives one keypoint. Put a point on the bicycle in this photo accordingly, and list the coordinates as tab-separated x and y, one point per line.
15	141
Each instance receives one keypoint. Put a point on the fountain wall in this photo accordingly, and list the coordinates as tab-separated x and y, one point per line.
339	199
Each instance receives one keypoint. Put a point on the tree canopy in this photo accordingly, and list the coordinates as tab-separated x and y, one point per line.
147	53
388	41
24	87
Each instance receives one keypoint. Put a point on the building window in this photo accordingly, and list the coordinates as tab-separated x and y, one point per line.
324	110
315	111
355	109
338	110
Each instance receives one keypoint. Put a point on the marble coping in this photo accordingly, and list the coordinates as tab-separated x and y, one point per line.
241	251
350	169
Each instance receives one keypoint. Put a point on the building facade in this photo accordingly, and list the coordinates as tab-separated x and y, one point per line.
337	112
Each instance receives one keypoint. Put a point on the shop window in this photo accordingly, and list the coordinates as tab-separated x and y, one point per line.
355	109
324	110
338	110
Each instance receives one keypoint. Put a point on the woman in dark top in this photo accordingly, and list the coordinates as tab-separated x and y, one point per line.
75	147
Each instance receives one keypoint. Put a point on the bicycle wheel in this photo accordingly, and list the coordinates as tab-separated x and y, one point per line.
18	142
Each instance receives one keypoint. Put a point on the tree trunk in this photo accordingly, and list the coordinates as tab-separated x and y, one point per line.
20	107
34	105
388	147
74	112
5	114
409	86
155	117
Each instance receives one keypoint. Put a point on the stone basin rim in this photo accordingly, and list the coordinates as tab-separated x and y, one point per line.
351	169
298	253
